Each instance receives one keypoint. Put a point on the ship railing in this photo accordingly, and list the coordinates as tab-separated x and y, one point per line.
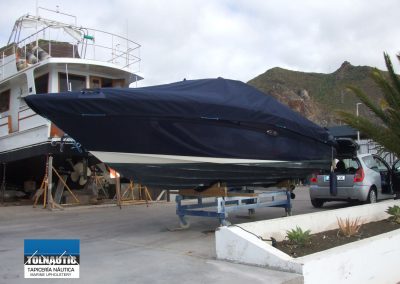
8	61
84	43
5	125
28	119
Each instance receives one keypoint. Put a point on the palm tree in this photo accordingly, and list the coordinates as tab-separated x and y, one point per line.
387	132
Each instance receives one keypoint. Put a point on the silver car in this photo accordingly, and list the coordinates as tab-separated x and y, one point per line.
366	178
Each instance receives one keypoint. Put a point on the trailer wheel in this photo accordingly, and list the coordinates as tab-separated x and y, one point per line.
225	222
183	222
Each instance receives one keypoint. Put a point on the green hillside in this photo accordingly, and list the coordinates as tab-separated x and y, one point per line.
326	92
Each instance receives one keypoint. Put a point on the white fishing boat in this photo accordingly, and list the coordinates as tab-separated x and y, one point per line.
50	56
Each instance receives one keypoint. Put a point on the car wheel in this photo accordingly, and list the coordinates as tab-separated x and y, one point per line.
371	196
317	203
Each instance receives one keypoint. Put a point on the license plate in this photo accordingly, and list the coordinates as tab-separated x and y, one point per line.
341	178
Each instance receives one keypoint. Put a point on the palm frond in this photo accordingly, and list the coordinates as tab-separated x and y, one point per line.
382	135
386	133
388	91
368	103
393	76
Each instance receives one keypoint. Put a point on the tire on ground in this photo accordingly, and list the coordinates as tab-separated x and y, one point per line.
317	203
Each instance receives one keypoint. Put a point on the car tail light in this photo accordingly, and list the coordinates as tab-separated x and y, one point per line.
359	176
313	178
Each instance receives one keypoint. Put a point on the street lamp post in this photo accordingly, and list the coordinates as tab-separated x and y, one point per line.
358	132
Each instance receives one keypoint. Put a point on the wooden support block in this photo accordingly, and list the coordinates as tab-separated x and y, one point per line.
216	190
241	194
134	202
288	184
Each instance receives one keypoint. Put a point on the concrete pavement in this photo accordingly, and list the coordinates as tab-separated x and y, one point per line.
135	244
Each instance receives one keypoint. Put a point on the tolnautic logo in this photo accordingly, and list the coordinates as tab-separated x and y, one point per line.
51	258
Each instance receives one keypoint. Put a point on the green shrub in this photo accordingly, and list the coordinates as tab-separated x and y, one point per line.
298	236
394	211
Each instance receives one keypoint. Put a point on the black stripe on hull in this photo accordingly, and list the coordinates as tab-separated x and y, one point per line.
192	175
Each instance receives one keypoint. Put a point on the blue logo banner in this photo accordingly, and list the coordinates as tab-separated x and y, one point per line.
51	246
51	258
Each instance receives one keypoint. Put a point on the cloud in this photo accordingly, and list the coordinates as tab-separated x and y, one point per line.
237	39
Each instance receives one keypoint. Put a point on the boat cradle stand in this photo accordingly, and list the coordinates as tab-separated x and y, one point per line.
228	201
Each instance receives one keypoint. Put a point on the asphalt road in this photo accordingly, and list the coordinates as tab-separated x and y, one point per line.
136	244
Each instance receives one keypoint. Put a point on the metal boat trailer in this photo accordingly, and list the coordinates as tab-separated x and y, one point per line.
228	201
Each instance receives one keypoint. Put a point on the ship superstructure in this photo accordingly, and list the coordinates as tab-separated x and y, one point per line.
49	56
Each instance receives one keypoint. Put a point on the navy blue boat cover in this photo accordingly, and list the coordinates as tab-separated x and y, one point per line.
219	98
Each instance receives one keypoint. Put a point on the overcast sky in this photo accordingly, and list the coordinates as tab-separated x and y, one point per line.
236	39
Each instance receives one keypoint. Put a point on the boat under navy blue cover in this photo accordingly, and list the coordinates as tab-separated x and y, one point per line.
191	133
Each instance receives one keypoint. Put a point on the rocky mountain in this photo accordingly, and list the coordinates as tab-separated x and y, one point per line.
316	95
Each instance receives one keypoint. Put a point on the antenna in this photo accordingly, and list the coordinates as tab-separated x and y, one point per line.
127	42
57	10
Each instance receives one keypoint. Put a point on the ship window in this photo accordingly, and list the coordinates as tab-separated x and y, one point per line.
107	83
42	83
95	83
118	83
100	82
4	101
76	82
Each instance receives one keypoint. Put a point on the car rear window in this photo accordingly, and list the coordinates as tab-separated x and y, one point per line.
351	163
350	166
370	162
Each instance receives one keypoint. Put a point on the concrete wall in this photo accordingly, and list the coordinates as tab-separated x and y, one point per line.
373	260
236	245
319	221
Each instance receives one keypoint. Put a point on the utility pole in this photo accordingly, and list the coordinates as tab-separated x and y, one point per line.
358	132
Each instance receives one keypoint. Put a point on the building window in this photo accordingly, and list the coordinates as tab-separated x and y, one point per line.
76	82
42	84
4	101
